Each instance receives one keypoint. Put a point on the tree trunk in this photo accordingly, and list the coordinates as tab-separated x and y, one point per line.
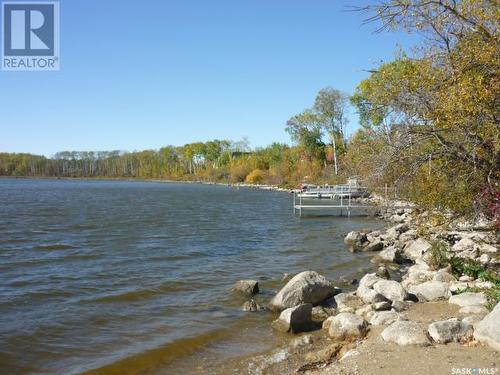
335	155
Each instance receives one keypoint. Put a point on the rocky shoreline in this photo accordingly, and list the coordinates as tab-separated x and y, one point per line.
436	287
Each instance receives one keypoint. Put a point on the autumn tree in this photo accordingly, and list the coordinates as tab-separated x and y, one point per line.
439	108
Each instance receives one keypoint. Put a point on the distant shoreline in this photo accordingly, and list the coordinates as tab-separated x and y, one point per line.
136	179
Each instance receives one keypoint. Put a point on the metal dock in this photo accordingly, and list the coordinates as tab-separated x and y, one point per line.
342	203
336	198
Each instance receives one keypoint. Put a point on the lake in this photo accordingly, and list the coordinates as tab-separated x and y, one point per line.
135	277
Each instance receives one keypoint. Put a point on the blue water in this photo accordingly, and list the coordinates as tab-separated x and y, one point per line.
92	272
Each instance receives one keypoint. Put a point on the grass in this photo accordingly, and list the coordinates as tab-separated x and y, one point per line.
476	270
440	257
469	267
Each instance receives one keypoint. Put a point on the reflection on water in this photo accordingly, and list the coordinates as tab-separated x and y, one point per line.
135	274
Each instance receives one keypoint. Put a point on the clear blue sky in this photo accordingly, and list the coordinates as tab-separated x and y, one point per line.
142	74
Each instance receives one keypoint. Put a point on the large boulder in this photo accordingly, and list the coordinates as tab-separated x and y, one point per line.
404	332
295	319
488	329
468	299
347	326
390	289
450	330
417	248
306	287
431	291
247	287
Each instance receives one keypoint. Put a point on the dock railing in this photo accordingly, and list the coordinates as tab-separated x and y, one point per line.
344	199
342	202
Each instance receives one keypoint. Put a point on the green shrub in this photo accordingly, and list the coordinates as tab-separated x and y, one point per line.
438	255
469	267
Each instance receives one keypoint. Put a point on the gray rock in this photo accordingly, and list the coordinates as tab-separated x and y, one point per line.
383	273
391	290
369	295
382	306
346	326
401	305
404	332
487	248
383	318
473	319
321	313
408	236
306	287
450	330
444	277
394	232
397	219
417	248
468	299
390	254
417	274
365	311
459	286
348	302
355	240
247	287
372	236
488	329
376	245
252	306
295	319
431	291
465	244
369	280
484	259
353	237
326	323
467	254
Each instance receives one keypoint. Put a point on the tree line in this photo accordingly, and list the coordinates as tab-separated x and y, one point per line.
429	123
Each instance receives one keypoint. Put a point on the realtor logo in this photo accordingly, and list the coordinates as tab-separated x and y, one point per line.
30	35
